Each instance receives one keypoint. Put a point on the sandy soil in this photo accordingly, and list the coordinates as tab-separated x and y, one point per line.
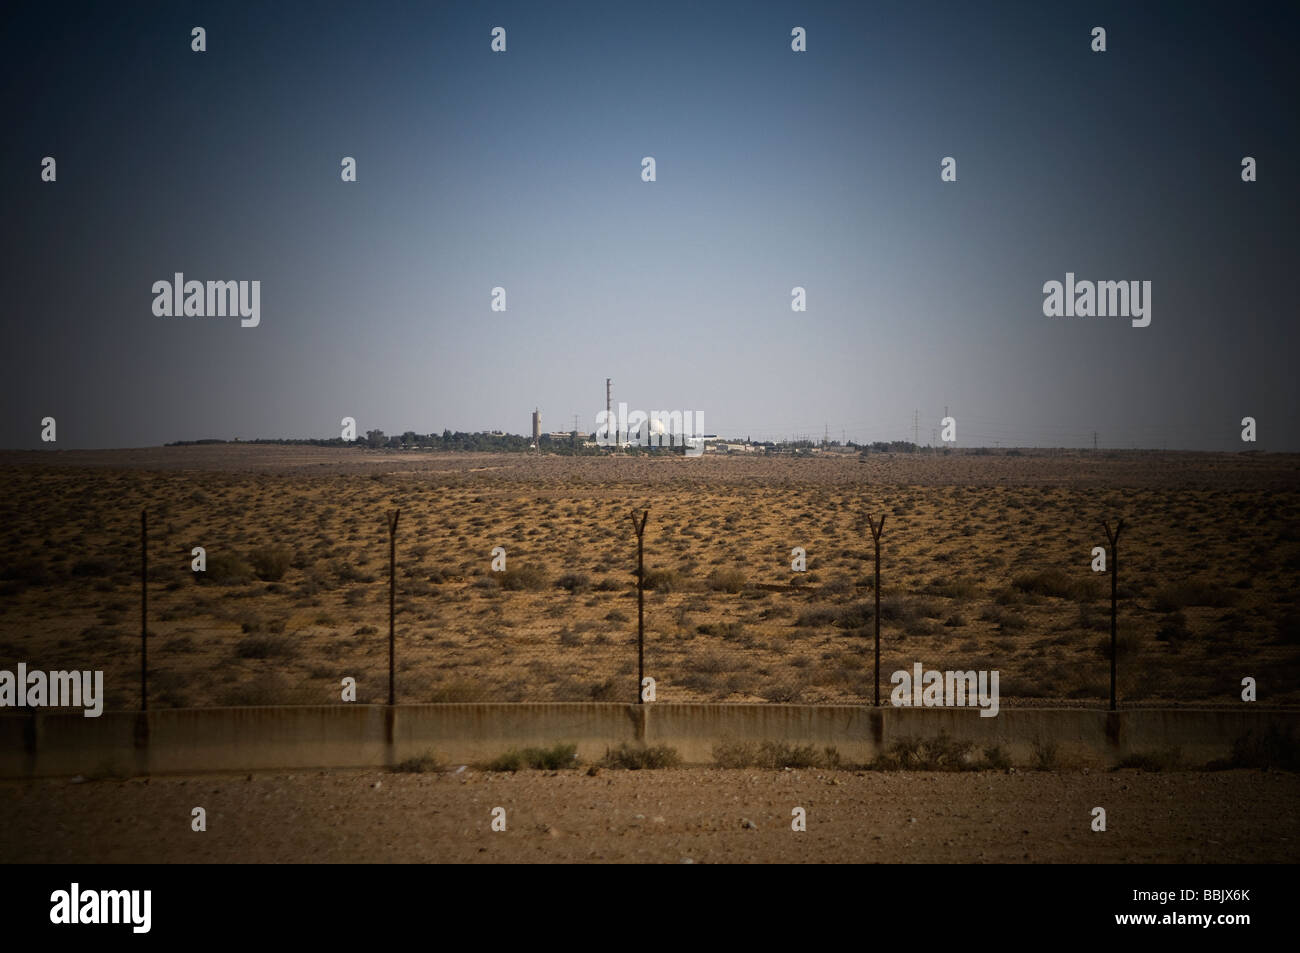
669	816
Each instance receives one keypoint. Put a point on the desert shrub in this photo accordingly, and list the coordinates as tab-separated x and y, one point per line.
542	759
996	759
839	586
100	633
510	761
266	646
1009	596
923	627
268	688
167	689
459	690
1046	755
525	577
1126	645
706	683
97	566
785	693
1092	620
928	754
722	630
574	581
603	691
953	588
271	562
857	615
1164	759
26	572
727	580
226	568
430	761
817	616
1173	629
1287	628
663	580
1273	749
636	758
347	571
774	755
1193	592
1057	584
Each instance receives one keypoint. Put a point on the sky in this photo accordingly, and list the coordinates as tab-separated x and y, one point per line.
522	170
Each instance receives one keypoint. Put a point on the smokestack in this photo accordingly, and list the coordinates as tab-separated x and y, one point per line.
609	409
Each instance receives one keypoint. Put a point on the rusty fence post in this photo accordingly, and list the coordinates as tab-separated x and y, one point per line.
392	604
639	526
876	530
1113	539
144	610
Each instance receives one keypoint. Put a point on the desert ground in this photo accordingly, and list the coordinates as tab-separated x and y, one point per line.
697	815
985	565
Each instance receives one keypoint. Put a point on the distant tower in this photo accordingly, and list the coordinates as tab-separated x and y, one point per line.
537	429
609	410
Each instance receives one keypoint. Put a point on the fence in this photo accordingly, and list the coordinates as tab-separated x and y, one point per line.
548	615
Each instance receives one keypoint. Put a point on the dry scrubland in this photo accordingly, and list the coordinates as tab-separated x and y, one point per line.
658	816
985	565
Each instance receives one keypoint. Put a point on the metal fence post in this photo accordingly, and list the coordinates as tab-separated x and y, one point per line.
876	530
640	598
144	610
1113	539
392	604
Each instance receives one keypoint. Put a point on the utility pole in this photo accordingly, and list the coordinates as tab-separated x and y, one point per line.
1113	539
392	606
876	530
639	526
1094	441
144	610
916	424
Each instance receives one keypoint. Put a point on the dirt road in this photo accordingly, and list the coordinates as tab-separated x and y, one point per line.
699	815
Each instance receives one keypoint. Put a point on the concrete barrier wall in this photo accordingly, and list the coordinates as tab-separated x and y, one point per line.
58	744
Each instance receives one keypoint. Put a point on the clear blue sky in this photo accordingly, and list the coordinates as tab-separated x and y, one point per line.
775	169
